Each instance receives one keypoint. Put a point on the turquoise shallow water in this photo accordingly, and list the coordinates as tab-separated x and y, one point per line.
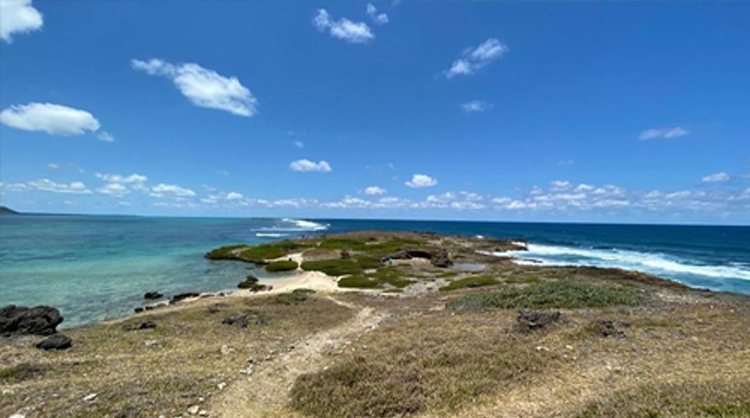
98	267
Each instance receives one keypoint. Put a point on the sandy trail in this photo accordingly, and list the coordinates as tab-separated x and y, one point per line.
266	392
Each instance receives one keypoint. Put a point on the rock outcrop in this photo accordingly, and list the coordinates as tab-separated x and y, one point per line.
152	295
438	256
20	320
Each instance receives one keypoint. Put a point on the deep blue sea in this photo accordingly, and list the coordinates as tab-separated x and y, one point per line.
98	267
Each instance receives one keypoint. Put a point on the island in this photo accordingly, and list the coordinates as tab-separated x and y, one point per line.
399	324
4	210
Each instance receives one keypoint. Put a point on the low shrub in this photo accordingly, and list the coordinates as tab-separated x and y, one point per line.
295	297
555	295
249	282
469	282
224	253
278	266
333	267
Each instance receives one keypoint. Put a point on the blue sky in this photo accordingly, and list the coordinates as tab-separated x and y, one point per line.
605	112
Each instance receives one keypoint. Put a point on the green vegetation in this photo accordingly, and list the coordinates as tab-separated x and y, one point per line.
251	283
370	245
224	253
278	266
553	295
295	297
380	278
469	282
333	267
394	377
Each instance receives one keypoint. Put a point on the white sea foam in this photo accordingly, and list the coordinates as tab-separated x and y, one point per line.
295	225
271	234
654	263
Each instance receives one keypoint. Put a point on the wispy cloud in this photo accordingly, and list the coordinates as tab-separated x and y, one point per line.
476	106
379	18
47	185
474	59
51	118
345	29
667	133
105	136
419	181
299	144
18	16
716	178
307	165
204	87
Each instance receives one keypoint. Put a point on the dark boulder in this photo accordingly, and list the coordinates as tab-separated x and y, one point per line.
152	295
138	309
181	296
20	320
532	320
139	326
55	342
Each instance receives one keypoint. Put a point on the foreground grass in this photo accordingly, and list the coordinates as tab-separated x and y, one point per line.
553	295
160	371
427	364
711	399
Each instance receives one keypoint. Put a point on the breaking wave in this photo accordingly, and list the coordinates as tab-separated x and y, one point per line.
294	225
654	263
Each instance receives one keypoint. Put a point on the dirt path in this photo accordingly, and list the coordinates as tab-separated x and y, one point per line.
265	392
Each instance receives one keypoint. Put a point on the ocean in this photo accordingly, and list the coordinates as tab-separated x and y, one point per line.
98	267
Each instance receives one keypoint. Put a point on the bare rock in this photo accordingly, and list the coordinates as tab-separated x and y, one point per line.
20	320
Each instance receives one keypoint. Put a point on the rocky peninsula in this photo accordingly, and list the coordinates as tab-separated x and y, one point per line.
393	324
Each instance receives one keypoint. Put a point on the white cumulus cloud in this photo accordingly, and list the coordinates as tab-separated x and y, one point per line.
18	16
204	87
716	178
474	59
345	29
234	196
162	190
51	118
421	180
667	133
375	191
307	165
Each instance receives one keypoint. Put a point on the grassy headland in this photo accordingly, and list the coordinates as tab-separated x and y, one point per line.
422	325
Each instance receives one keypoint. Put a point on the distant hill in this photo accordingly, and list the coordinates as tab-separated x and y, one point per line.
7	211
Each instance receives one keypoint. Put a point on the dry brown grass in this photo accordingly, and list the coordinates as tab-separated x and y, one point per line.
148	373
435	362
